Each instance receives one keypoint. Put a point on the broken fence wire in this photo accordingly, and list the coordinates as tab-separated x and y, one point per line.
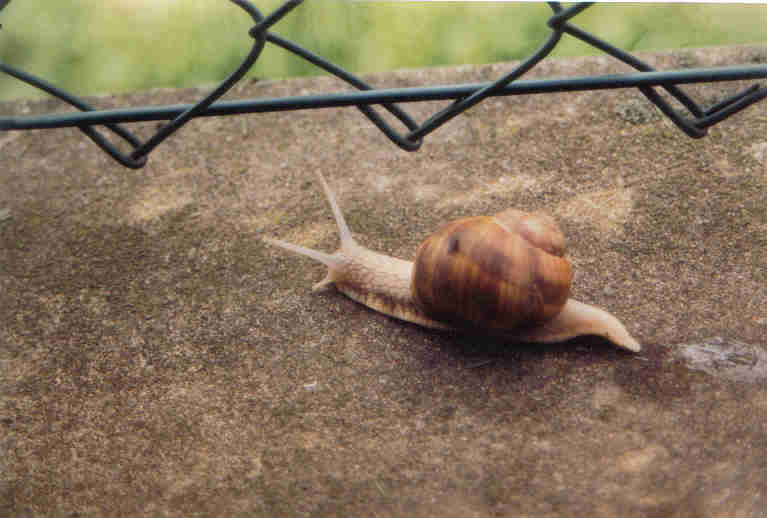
464	96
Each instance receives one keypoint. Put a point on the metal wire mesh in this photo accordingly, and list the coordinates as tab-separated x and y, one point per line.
693	121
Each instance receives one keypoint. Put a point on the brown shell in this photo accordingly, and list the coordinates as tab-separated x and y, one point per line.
493	272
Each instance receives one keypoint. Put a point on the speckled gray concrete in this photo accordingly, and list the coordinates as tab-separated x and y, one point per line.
158	359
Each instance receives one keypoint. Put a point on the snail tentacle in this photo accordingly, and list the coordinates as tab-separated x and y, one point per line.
344	233
337	263
334	262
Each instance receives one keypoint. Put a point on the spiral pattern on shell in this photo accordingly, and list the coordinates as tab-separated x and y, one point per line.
493	272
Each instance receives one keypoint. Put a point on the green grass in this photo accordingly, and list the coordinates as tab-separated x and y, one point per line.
93	46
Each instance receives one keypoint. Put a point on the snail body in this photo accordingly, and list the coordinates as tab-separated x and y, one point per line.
505	274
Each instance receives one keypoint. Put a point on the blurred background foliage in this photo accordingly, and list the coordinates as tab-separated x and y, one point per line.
96	46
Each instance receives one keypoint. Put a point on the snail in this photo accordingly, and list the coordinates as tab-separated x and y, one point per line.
501	275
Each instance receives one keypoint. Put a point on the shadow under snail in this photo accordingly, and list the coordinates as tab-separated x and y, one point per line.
500	275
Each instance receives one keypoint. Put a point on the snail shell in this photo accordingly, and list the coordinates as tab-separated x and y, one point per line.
493	272
504	274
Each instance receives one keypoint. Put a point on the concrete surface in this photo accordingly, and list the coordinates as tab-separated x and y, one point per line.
159	360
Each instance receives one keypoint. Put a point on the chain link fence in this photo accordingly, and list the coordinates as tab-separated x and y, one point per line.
692	118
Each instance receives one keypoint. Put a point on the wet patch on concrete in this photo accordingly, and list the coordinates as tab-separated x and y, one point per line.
726	358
